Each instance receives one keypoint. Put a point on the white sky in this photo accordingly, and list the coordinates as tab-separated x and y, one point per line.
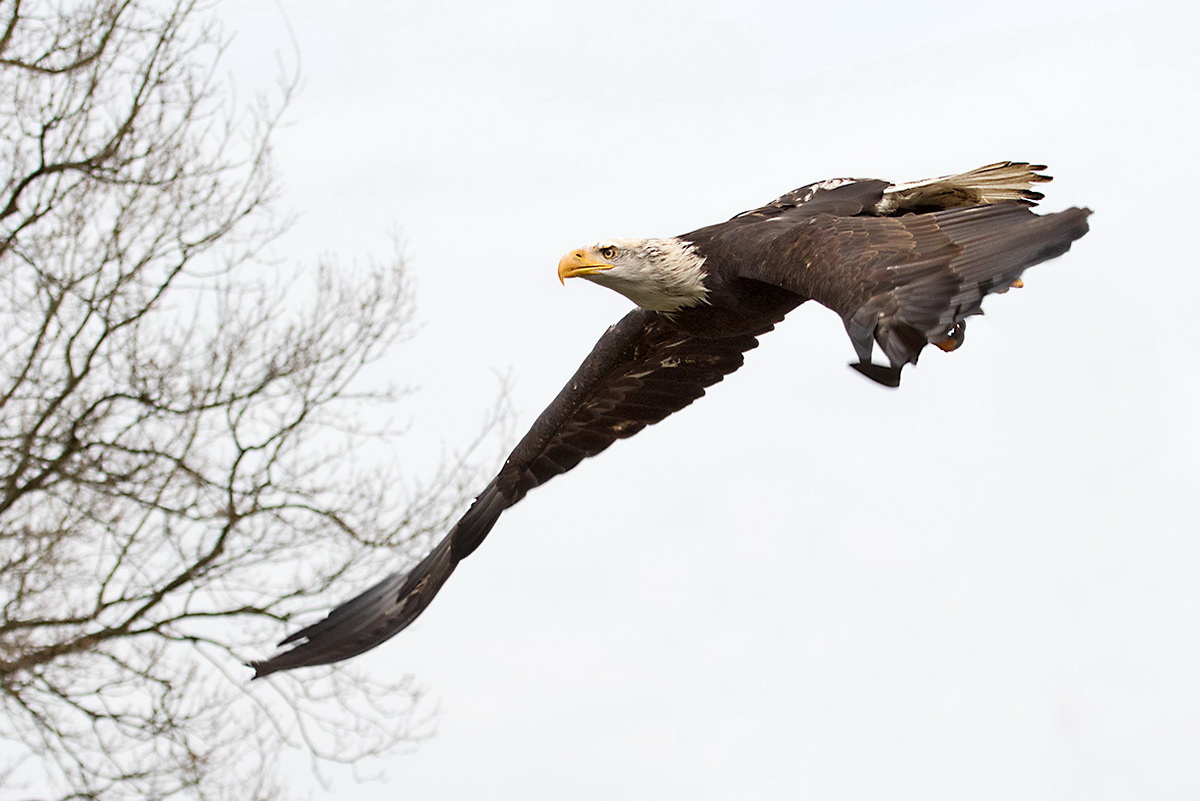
985	585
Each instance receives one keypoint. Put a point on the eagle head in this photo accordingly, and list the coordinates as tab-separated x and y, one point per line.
663	275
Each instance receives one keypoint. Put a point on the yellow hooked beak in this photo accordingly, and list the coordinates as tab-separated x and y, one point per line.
581	262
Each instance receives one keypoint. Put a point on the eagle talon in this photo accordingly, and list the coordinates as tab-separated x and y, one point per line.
956	336
948	344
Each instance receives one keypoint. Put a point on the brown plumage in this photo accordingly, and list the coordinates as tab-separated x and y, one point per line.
903	265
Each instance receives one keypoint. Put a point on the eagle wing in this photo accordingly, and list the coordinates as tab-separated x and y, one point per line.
905	264
639	372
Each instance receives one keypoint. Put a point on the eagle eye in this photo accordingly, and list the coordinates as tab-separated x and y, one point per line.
608	252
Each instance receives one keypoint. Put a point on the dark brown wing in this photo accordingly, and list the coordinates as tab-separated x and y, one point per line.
840	196
640	371
904	282
904	264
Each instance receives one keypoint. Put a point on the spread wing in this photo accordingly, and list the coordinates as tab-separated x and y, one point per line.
640	371
903	264
904	282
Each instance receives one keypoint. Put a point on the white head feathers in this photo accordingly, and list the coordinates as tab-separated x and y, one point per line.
663	275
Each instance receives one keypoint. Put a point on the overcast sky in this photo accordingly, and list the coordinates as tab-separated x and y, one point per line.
985	585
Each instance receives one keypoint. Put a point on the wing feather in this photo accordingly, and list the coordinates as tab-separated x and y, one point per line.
642	370
903	282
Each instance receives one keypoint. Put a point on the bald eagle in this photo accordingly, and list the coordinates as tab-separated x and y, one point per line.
903	264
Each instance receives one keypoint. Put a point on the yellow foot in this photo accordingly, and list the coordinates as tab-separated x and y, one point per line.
949	344
956	336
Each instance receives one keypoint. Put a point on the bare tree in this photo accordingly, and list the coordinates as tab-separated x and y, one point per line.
181	466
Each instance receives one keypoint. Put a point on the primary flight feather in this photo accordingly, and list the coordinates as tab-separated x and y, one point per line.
904	265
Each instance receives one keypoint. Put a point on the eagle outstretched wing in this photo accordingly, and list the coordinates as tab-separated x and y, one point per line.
639	372
904	282
903	264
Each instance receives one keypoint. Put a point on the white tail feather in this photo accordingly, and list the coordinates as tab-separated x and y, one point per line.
993	183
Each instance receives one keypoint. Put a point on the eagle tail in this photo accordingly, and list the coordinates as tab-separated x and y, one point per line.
993	183
387	608
927	300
